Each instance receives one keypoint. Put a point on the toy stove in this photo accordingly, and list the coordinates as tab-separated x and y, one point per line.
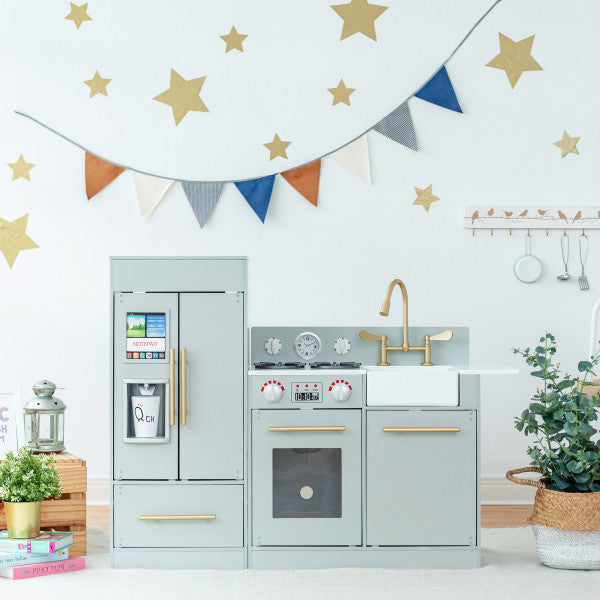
306	438
324	377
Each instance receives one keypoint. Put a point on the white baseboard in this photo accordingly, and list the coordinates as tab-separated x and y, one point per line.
498	490
494	490
98	491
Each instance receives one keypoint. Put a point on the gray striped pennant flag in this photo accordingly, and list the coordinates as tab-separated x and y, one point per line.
398	126
202	196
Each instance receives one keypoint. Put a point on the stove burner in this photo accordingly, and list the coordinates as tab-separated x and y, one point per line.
334	365
272	365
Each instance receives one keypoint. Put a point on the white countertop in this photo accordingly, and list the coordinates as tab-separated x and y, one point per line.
470	370
487	370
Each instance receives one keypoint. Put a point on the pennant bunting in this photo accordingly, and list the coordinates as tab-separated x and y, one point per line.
202	196
150	191
398	126
355	157
305	180
98	174
438	90
257	193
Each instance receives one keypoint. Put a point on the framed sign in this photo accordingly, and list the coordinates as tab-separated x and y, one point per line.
10	412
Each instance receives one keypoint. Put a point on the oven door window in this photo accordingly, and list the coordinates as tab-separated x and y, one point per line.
307	483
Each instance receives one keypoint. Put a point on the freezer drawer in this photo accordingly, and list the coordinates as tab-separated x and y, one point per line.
421	478
167	516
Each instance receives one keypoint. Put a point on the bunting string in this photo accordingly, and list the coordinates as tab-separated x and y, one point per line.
203	196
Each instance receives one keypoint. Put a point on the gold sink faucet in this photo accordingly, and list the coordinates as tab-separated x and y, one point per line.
406	347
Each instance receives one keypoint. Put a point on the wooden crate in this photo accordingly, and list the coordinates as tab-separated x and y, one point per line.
69	512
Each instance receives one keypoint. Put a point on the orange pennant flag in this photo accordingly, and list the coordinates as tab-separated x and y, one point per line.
98	174
305	180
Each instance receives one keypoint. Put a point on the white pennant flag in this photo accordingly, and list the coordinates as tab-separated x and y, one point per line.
150	191
355	157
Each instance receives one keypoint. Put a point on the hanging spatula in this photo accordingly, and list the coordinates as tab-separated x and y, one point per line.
584	284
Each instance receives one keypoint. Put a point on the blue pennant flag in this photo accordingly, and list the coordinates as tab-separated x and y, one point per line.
438	90
258	194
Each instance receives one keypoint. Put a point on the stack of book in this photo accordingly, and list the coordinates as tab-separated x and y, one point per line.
46	554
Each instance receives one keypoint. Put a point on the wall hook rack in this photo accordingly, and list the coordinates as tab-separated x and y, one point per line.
531	217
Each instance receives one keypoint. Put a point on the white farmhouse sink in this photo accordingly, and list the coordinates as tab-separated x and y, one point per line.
412	386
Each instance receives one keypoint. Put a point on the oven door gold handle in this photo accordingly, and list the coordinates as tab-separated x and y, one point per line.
310	428
177	517
183	386
421	429
171	387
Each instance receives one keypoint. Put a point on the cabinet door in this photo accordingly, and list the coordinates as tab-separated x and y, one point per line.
211	330
421	485
142	459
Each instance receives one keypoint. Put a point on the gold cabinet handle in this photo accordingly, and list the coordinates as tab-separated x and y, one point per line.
183	386
177	517
171	387
307	428
421	429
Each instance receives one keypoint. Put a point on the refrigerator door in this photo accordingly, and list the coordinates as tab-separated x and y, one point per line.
143	321
211	424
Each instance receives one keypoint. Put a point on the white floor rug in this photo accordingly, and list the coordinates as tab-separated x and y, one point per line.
510	572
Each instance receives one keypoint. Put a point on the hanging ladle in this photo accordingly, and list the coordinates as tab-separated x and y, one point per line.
564	248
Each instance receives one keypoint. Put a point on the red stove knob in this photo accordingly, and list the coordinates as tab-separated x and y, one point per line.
340	392
272	392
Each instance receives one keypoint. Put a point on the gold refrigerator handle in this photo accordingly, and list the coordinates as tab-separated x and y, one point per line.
421	429
307	428
171	387
183	386
177	517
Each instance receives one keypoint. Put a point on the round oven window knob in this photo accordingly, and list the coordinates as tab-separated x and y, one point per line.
272	392
340	392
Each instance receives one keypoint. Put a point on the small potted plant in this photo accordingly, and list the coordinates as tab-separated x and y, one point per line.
562	417
25	480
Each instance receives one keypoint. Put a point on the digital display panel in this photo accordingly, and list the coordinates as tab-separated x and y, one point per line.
307	392
146	336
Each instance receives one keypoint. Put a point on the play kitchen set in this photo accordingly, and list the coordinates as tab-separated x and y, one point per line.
300	447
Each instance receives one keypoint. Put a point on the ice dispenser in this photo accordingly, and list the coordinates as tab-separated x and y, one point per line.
145	410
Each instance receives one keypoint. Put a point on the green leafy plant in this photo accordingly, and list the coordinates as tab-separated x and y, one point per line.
26	477
560	416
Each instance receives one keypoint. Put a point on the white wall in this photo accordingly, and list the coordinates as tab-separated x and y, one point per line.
55	300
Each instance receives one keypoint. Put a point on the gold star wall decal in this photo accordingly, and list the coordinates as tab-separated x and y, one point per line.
13	239
341	93
277	147
21	168
78	14
359	17
567	145
183	96
515	58
425	198
233	40
97	85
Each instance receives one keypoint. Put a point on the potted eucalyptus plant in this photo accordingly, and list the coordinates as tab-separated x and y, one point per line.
25	480
562	417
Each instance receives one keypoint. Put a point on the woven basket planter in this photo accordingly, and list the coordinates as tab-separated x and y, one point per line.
566	525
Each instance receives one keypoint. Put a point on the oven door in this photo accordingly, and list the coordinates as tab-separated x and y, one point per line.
306	467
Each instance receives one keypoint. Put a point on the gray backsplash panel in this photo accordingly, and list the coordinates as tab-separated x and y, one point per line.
454	352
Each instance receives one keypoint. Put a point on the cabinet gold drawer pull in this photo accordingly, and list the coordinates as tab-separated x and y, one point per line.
421	429
307	428
171	387
177	517
184	386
